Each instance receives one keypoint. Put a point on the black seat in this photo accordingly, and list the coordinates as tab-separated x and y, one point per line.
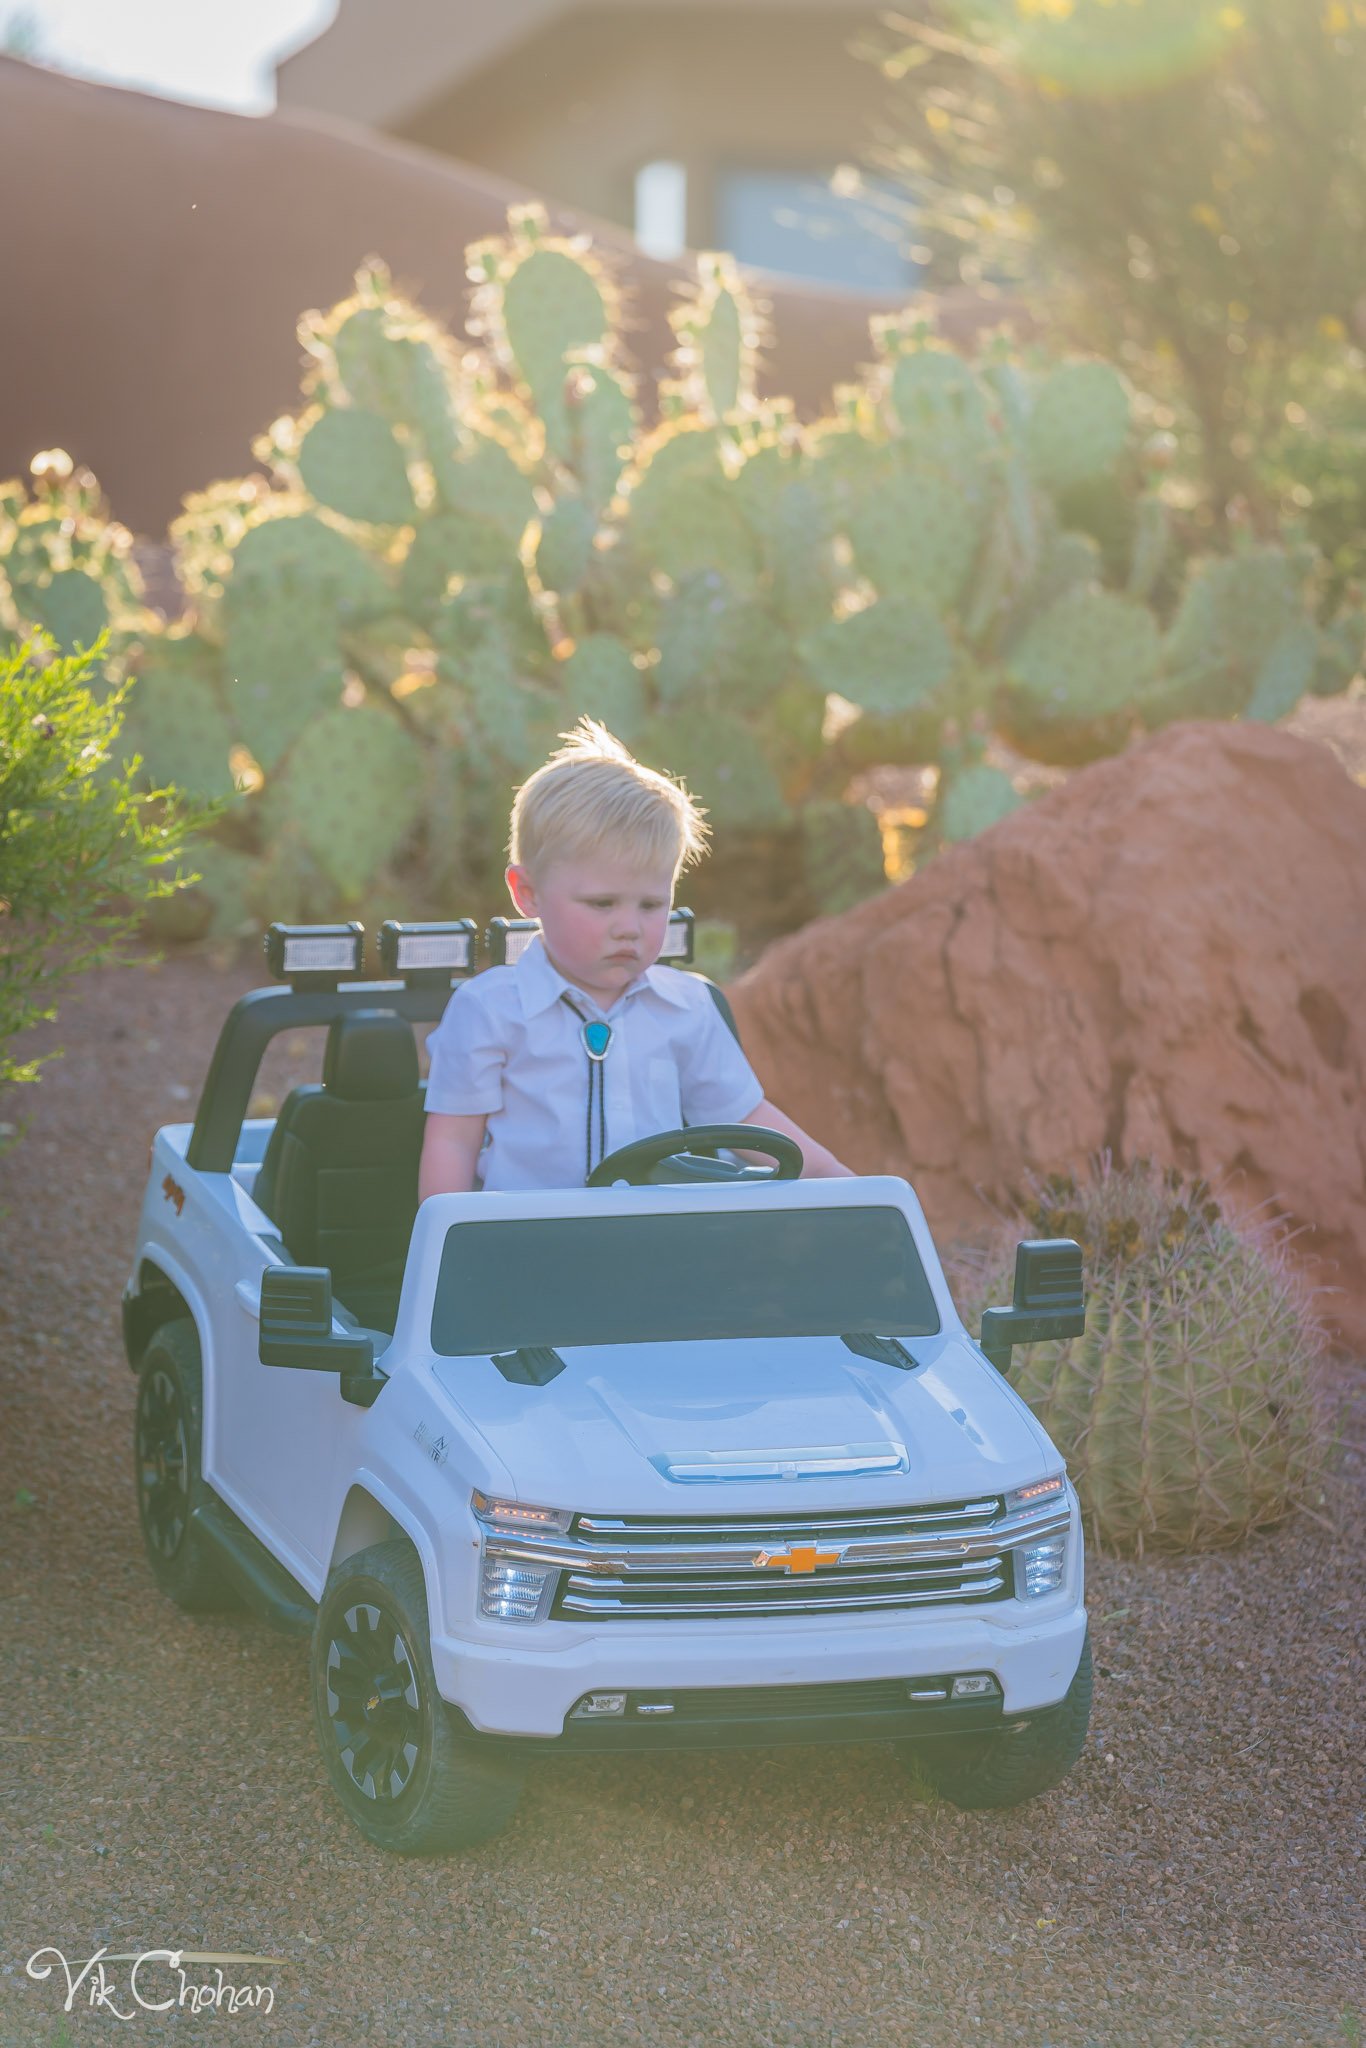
340	1173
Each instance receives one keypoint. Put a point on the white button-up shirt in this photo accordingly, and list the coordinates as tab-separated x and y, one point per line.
508	1048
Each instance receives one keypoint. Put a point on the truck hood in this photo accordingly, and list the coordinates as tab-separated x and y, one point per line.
735	1427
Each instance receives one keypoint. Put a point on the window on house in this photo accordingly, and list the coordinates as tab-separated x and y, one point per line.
662	210
791	221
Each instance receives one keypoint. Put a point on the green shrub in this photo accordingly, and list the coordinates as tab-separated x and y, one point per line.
82	848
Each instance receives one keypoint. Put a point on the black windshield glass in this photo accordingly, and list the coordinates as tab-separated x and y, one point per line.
666	1279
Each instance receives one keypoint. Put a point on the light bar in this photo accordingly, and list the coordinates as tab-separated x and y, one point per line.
517	1514
428	954
507	938
1044	1493
314	954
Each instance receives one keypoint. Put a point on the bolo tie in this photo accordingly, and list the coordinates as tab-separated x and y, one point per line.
597	1037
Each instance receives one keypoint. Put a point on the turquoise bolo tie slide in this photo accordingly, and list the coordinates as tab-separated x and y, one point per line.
596	1037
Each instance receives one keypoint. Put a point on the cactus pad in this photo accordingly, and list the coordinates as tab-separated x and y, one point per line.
888	658
300	553
486	483
684	513
349	793
1078	425
915	531
601	679
446	545
70	606
723	764
1285	673
565	548
841	855
1090	656
350	461
940	408
970	802
176	719
281	667
601	430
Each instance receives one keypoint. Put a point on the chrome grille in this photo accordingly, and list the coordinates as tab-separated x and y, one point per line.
650	1568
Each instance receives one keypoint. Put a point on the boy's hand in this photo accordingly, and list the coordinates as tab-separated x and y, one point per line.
450	1152
817	1163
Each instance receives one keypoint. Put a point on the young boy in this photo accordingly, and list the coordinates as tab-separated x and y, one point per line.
541	1069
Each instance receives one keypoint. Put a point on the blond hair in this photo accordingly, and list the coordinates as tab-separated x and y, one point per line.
592	797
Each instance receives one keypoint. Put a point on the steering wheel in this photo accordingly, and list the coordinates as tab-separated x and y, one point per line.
690	1155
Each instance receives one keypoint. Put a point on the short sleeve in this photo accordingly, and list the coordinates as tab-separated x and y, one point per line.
717	1084
467	1053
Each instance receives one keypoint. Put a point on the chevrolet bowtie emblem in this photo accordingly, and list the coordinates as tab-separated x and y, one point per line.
803	1557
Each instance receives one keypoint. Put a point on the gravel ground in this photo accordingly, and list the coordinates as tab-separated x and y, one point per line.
1195	1881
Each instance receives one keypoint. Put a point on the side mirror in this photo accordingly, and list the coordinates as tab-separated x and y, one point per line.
1049	1300
296	1331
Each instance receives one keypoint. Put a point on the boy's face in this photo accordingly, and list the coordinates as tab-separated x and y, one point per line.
603	919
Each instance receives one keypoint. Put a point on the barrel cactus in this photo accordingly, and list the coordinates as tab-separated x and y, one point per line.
1188	1413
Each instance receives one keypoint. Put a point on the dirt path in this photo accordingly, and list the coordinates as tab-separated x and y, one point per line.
1196	1881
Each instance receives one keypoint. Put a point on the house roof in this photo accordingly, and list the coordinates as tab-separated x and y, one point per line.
379	65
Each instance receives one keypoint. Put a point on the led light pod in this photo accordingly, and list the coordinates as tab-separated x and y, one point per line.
314	955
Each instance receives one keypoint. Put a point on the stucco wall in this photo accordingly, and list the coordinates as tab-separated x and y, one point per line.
158	258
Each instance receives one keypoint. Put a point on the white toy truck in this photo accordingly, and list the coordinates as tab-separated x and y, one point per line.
699	1455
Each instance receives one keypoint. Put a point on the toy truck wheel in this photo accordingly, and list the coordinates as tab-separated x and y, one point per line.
408	1778
166	1439
1006	1767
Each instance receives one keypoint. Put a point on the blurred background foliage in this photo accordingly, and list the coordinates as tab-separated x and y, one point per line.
1179	185
449	554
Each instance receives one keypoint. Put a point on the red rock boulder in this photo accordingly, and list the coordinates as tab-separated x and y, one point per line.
1165	956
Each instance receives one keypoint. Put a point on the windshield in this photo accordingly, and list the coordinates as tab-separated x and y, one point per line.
658	1279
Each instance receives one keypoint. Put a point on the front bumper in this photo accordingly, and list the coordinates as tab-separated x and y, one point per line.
505	1690
703	1721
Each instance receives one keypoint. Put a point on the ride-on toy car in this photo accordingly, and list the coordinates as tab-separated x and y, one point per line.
700	1454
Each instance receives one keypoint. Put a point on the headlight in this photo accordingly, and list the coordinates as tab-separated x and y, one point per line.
1040	1493
512	1591
516	1587
1040	1568
518	1515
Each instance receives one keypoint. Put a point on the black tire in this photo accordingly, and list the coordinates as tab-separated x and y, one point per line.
166	1442
1008	1765
409	1778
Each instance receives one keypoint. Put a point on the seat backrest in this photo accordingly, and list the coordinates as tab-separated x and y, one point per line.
340	1173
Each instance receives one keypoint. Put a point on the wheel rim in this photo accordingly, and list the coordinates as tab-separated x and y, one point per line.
373	1702
163	1464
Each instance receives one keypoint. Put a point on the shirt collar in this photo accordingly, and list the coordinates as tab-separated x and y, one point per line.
541	984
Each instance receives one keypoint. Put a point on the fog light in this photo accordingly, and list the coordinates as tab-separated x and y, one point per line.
516	1592
1040	1568
978	1685
595	1705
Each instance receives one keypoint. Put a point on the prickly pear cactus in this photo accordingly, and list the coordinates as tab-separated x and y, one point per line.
1077	674
975	798
716	330
176	717
889	657
542	301
841	855
1188	1413
346	794
351	461
478	546
66	568
1079	425
601	680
